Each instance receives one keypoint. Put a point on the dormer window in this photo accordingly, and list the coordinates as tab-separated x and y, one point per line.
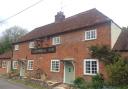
16	47
91	34
56	40
31	45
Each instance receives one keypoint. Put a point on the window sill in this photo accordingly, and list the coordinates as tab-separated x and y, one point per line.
90	74
89	39
55	71
32	47
56	44
15	68
29	69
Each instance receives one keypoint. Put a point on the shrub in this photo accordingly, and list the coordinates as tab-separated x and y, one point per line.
97	82
122	87
104	53
79	83
118	73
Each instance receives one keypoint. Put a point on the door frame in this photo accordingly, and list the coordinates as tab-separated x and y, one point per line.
21	68
8	65
65	71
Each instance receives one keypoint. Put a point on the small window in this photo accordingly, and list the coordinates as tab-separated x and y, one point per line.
56	40
90	35
16	47
15	64
55	65
91	66
31	44
4	64
30	65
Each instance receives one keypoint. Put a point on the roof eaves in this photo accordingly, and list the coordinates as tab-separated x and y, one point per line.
109	20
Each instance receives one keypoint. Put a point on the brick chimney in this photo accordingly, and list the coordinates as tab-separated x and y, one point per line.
59	17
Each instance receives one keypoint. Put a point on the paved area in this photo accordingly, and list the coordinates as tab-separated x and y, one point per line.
5	84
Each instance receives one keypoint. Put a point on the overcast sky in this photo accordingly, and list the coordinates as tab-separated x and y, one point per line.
44	12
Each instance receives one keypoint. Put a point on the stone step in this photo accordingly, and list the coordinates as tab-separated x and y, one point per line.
58	87
53	83
62	86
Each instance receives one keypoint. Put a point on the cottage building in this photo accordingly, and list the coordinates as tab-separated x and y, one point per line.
5	62
121	45
60	50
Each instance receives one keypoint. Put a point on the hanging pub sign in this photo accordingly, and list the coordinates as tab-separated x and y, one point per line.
43	50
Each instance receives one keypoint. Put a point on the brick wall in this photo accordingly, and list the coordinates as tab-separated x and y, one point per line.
2	70
73	45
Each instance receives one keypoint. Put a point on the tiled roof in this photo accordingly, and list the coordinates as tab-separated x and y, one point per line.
6	55
122	42
84	19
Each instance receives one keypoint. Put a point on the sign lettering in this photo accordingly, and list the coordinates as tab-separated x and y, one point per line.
43	50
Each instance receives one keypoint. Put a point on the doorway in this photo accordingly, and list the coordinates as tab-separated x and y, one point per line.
22	69
8	66
69	72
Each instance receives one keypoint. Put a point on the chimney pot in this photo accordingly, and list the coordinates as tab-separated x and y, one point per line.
59	17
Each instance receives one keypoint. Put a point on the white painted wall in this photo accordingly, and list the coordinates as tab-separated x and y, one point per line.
115	32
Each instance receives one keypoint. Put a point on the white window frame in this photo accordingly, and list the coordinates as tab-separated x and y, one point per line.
28	65
91	34
31	45
4	64
56	40
90	60
16	47
53	69
15	64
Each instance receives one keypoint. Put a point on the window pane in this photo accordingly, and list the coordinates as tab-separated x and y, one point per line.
30	65
94	67
56	40
16	47
55	65
87	66
93	34
31	45
90	34
3	64
15	64
91	66
87	35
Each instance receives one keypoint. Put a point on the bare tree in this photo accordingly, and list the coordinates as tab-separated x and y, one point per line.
10	35
14	33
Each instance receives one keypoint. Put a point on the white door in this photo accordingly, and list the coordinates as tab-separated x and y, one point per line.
8	66
22	69
69	74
